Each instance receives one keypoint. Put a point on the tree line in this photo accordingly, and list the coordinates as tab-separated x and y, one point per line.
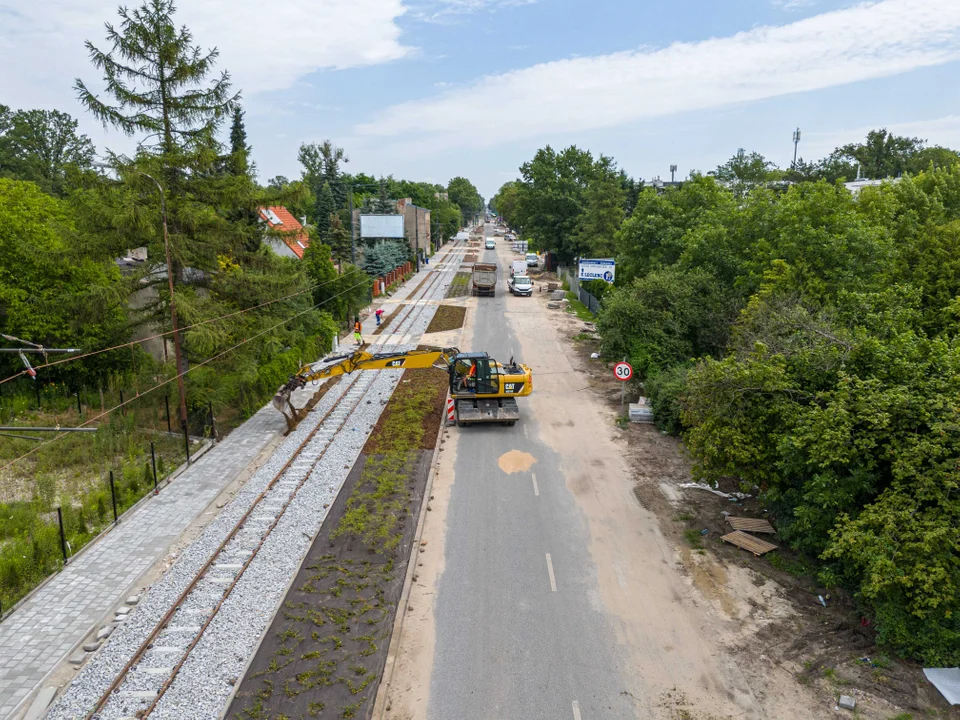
250	316
804	341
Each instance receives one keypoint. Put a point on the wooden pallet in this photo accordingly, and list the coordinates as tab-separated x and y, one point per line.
748	542
750	525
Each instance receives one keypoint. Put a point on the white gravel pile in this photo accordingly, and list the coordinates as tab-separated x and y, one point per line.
203	685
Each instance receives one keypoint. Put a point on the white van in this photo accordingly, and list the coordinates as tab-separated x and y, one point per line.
490	244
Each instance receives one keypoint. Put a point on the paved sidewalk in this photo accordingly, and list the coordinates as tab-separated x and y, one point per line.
42	632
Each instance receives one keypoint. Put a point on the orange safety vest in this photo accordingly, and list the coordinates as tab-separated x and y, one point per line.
356	327
473	371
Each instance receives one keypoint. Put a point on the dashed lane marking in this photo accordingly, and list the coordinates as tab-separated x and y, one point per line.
553	579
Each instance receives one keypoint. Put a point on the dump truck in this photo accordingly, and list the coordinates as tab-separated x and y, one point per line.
484	279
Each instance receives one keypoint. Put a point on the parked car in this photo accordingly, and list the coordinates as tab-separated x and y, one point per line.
532	260
490	244
520	285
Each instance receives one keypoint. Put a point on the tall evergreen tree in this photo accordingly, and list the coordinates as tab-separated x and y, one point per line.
324	209
155	74
239	149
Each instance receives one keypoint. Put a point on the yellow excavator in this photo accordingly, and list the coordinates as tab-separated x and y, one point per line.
483	390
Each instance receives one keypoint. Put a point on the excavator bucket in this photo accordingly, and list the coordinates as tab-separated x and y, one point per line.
283	402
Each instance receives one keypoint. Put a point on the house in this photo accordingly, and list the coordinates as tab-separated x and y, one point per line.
416	226
857	185
289	238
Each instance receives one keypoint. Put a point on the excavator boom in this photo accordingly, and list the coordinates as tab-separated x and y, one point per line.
359	360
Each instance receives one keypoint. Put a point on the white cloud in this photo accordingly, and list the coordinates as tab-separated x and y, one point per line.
794	4
445	11
265	46
871	40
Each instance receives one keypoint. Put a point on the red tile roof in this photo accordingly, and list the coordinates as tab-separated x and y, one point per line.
292	231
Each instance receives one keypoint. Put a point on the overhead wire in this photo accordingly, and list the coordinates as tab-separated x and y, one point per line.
168	332
179	375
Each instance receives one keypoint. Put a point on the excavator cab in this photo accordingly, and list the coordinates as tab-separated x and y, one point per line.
484	391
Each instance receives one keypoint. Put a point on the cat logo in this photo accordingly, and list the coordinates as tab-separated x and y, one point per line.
396	363
512	388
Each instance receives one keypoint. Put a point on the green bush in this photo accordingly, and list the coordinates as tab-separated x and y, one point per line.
664	391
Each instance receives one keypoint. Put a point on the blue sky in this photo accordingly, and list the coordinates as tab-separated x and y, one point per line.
429	89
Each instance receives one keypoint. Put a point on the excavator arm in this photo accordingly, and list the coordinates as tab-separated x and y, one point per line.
359	360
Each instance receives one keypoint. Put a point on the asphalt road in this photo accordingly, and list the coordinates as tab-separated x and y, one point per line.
518	636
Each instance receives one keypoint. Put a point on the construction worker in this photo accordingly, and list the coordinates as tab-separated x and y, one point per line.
356	332
379	315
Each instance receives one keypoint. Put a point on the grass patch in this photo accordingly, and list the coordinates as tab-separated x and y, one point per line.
447	317
73	474
382	493
798	568
693	537
459	286
579	308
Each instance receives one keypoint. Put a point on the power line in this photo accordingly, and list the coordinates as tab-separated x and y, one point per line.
176	377
168	332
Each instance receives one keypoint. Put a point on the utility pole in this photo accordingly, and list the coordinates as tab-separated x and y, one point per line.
353	246
173	308
796	144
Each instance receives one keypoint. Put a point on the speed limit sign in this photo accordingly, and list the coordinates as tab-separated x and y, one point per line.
623	371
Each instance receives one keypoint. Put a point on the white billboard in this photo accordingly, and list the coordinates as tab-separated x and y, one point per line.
598	269
381	226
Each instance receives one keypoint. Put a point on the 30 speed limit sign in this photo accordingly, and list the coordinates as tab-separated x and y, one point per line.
623	371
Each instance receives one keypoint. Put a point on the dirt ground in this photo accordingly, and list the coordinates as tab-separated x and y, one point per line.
448	317
782	636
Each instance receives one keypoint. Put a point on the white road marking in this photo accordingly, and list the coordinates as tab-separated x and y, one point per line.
525	433
576	711
553	579
536	488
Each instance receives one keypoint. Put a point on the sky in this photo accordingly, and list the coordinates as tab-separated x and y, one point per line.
431	89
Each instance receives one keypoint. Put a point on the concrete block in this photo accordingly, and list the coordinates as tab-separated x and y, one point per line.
78	657
104	632
38	708
133	600
847	702
640	413
92	646
122	611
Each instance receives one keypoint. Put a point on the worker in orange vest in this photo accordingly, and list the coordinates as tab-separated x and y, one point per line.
356	332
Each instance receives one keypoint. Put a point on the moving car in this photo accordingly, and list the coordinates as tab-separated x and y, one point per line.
490	244
532	260
521	285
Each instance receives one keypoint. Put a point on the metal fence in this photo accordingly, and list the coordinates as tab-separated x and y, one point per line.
588	299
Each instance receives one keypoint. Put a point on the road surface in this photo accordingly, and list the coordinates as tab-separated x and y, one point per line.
520	630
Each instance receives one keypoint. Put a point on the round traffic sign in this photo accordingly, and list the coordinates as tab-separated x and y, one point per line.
623	371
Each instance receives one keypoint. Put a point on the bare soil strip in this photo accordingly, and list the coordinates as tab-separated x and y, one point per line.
324	653
448	317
